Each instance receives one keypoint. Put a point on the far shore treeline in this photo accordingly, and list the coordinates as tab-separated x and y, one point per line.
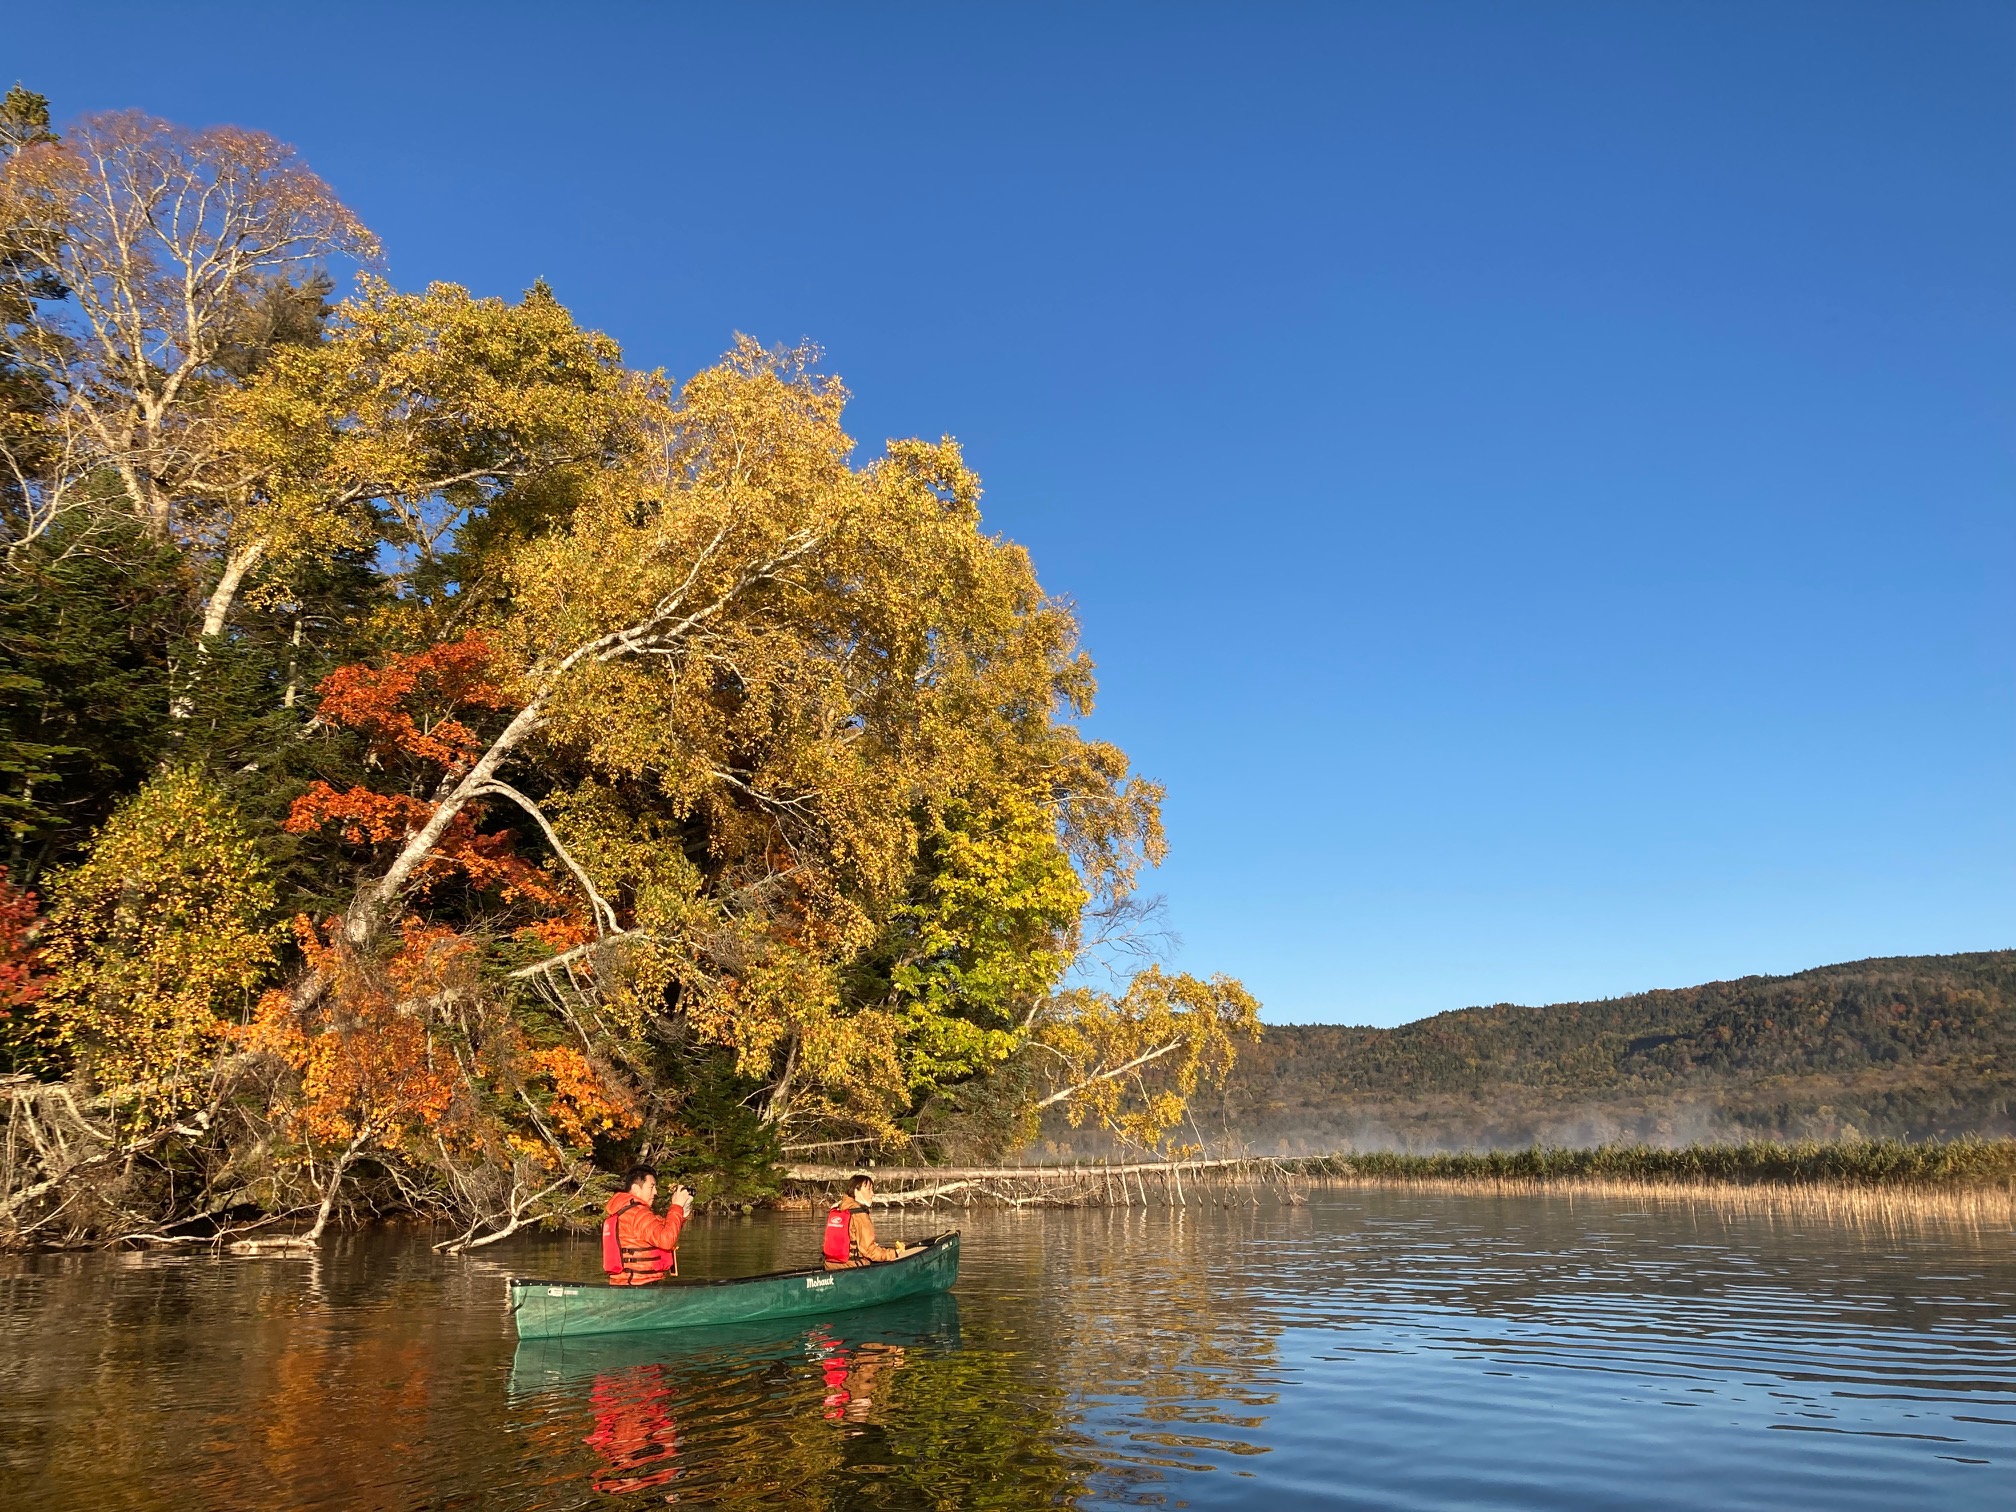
441	764
1899	1048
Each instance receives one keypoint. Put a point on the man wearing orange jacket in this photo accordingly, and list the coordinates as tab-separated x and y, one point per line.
639	1247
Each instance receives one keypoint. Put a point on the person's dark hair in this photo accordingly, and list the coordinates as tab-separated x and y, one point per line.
855	1183
636	1174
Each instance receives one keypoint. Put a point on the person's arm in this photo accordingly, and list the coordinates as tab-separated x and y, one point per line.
664	1232
863	1232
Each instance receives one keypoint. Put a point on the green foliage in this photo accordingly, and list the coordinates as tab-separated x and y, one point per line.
248	702
89	615
986	936
24	119
716	1142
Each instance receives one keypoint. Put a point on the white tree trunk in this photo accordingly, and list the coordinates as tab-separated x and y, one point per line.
240	561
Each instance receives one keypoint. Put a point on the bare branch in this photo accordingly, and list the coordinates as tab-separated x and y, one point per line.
1117	1071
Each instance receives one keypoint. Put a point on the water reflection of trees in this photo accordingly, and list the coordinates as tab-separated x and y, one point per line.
1159	1340
1099	1350
1087	1353
878	1408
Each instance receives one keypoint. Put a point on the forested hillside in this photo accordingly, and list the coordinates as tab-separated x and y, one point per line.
1912	1046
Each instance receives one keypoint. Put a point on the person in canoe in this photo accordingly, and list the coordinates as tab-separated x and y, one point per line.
850	1232
639	1247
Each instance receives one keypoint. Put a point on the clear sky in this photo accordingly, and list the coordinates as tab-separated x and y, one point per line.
1536	479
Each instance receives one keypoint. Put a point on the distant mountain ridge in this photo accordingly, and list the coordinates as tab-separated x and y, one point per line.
1902	1046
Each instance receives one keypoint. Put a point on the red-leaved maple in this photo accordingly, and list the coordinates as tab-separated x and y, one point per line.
416	715
21	973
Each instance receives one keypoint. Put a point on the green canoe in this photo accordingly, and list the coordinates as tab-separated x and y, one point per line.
569	1309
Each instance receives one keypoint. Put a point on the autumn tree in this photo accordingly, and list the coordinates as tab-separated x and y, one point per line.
793	727
22	972
649	771
1130	1063
413	1060
424	422
157	943
409	1052
160	237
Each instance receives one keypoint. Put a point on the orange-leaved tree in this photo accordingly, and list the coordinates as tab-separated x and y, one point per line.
407	1051
22	973
419	716
412	1061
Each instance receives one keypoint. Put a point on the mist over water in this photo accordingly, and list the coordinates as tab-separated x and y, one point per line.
1374	1349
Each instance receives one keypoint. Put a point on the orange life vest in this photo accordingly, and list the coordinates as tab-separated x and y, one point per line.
620	1259
839	1245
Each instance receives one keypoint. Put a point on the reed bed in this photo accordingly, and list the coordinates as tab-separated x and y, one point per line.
1881	1163
1888	1207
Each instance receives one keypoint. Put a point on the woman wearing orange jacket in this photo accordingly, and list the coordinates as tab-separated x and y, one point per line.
850	1232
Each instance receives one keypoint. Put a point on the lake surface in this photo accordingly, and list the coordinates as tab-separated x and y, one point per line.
1369	1350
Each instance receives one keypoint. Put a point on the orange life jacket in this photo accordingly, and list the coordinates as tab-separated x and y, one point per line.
620	1259
839	1245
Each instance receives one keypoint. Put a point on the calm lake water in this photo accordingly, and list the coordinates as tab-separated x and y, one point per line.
1369	1350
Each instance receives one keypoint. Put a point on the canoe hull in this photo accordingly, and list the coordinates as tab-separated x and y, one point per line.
573	1309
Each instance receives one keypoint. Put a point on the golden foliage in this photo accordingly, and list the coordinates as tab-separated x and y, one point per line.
811	671
415	411
159	938
412	1056
1131	1063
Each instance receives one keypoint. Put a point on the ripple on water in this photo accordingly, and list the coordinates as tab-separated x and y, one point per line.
1394	1350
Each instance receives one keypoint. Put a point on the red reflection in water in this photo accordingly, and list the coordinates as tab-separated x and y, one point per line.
638	1441
634	1433
854	1378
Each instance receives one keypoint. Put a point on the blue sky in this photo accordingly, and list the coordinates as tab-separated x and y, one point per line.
1537	480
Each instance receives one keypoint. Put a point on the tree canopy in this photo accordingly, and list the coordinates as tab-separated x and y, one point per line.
464	763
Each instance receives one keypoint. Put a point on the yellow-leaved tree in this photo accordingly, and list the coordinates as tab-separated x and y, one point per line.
408	425
803	737
158	942
1129	1063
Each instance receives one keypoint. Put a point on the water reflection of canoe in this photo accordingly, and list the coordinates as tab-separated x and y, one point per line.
539	1365
569	1309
